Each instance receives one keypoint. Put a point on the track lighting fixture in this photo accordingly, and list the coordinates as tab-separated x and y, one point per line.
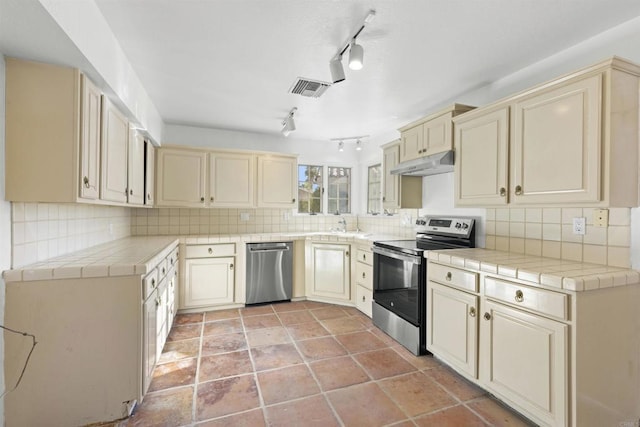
288	125
356	139
358	145
356	53
341	146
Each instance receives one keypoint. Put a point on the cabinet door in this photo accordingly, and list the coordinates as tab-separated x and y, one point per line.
437	135
161	316
538	386
115	133
149	350
181	178
364	299
277	182
90	141
411	144
452	332
136	173
149	173
482	153
330	271
208	281
391	182
231	180
556	145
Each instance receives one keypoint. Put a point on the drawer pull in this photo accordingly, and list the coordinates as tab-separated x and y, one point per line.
487	316
210	251
153	283
364	257
448	276
202	199
503	191
163	270
363	275
85	181
230	266
363	298
518	190
472	312
519	296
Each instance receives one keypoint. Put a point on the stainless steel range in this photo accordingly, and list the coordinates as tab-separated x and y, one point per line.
400	277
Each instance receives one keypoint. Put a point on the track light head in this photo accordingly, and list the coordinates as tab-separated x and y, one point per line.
356	55
358	145
341	146
288	125
337	71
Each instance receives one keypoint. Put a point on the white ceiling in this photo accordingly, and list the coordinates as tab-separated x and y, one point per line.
229	63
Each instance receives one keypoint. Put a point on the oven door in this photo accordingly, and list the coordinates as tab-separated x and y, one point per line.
397	283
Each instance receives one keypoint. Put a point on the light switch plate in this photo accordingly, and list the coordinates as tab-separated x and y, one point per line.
601	217
579	225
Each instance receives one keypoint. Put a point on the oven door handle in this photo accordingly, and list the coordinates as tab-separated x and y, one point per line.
396	255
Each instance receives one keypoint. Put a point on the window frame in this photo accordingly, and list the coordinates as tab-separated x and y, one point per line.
324	199
379	182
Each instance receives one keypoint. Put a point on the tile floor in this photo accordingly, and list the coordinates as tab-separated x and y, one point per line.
303	364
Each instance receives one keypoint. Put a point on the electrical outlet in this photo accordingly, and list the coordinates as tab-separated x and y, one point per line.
601	217
244	216
579	225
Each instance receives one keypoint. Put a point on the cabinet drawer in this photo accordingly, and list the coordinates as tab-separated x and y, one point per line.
364	275
542	301
173	258
208	251
365	256
364	299
149	283
453	277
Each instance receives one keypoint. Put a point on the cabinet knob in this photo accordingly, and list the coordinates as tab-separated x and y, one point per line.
503	191
293	200
211	198
519	296
85	181
363	298
131	192
346	253
210	251
518	190
487	316
230	266
202	199
448	276
472	312
148	196
163	270
363	275
153	283
384	198
364	257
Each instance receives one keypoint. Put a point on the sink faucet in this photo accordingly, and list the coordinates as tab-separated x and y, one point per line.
342	225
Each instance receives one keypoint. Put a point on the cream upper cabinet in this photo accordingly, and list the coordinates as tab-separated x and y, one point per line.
482	153
399	192
115	134
277	181
149	174
181	177
231	179
572	141
136	165
90	140
436	135
328	271
411	145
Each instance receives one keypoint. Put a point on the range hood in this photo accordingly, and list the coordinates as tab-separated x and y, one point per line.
428	165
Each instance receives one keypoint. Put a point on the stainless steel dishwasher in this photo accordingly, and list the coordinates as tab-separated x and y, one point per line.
269	272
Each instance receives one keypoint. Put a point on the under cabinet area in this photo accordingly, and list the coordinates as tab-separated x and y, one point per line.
328	275
209	276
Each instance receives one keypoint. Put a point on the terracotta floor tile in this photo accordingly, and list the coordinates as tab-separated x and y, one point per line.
337	373
425	361
216	344
329	313
231	313
224	365
455	384
295	317
221	327
304	331
185	332
164	408
383	337
285	384
315	304
456	416
254	418
185	319
497	414
228	396
256	310
416	393
358	342
321	348
275	356
383	363
174	374
178	350
268	336
289	306
343	325
312	411
261	321
364	405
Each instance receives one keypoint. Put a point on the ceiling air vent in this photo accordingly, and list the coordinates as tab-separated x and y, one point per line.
310	88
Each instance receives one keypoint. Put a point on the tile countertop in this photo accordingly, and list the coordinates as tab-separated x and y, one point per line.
544	272
139	255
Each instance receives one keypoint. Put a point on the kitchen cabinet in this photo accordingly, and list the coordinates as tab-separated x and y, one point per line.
231	179
149	329
328	271
430	135
572	141
149	173
114	154
364	280
277	181
90	140
209	276
399	191
181	177
136	168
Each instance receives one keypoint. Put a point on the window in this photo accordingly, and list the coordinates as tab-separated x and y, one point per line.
309	189
373	189
339	185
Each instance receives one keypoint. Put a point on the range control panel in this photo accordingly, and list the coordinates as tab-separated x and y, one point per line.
438	225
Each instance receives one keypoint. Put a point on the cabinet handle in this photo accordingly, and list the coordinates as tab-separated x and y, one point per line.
448	276
472	312
519	296
148	196
153	283
346	253
230	266
210	251
126	191
503	191
131	192
157	302
384	198
364	257
211	198
518	190
293	200
85	181
363	275
487	316
163	270
363	298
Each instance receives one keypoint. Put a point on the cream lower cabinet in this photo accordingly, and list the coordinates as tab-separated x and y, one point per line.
149	338
328	271
364	280
209	276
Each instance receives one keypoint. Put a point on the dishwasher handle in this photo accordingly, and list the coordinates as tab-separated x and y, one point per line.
275	248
